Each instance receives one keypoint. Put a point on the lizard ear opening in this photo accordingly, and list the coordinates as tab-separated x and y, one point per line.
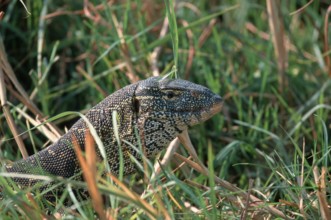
136	105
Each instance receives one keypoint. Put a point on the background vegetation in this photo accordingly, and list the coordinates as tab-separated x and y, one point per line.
269	60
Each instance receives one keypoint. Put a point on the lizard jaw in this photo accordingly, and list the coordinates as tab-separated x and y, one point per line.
207	114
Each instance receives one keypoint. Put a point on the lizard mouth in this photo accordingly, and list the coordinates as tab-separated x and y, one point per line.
204	115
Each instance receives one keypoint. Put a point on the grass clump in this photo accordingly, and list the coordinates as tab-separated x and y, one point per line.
268	60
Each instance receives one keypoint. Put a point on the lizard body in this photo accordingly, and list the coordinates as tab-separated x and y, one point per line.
159	109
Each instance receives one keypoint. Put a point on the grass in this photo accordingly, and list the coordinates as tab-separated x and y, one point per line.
271	139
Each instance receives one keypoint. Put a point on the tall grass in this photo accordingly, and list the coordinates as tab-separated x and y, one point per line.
269	60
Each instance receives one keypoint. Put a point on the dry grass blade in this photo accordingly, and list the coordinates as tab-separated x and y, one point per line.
200	167
51	135
232	188
206	32
161	205
321	192
173	146
266	36
186	171
191	50
301	206
326	40
154	57
245	211
278	39
90	79
32	200
3	96
90	172
302	8
204	171
51	132
151	212
22	99
131	73
91	160
61	11
9	118
4	64
7	71
32	213
15	132
174	200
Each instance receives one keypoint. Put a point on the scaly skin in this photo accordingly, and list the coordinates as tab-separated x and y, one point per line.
158	109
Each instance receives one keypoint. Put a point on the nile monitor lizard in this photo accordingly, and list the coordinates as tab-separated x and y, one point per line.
159	109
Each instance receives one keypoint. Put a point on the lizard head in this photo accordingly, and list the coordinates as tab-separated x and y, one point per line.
177	102
163	108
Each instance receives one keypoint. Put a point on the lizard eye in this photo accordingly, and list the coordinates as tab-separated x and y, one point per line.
171	95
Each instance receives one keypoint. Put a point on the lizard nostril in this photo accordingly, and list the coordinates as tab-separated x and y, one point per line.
218	99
